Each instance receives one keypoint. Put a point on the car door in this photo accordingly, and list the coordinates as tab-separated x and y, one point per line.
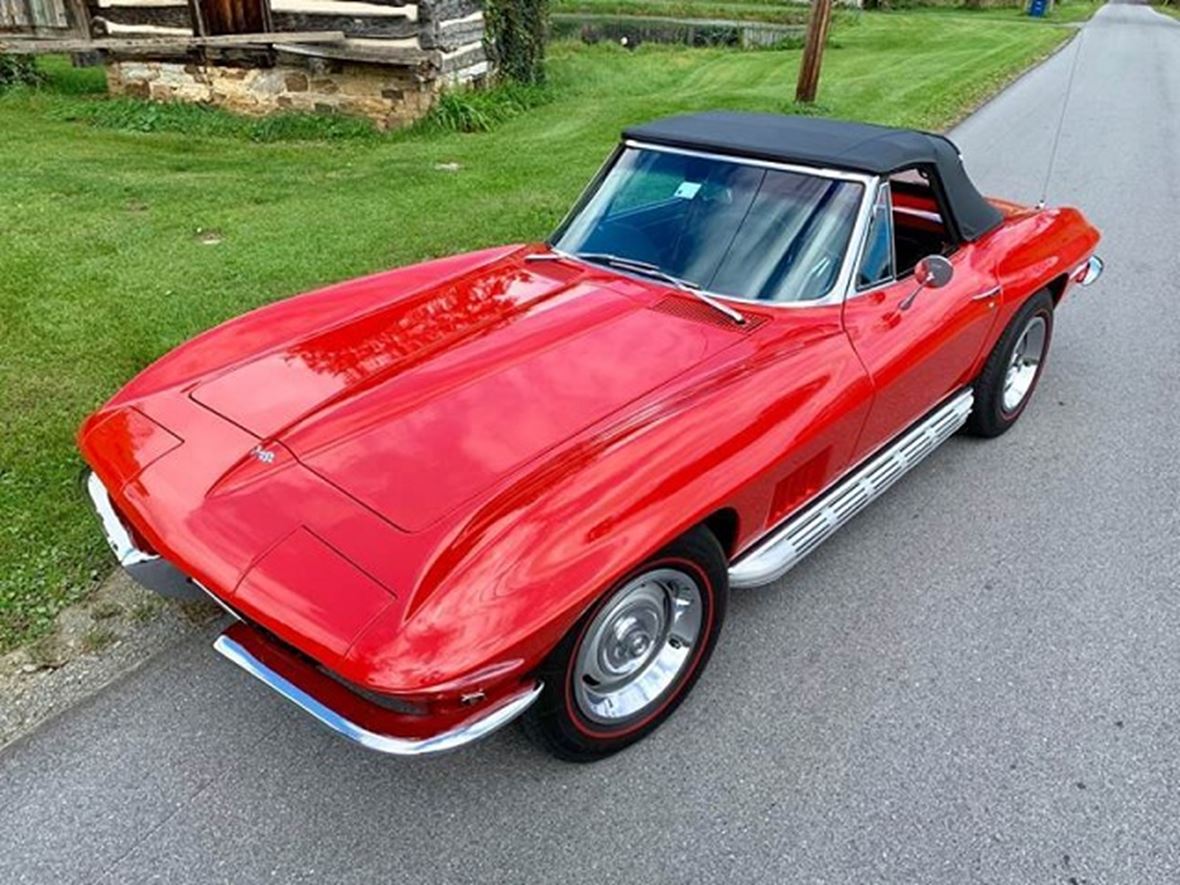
917	348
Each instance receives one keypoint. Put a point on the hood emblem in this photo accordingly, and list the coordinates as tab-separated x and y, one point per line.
266	456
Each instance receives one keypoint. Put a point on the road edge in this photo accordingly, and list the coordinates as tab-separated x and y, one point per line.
114	632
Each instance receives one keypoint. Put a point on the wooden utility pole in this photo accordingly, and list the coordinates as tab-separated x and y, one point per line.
813	50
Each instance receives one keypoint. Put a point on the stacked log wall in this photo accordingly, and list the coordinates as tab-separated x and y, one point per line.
394	57
448	33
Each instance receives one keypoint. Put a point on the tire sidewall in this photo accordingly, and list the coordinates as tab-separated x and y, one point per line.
991	419
595	731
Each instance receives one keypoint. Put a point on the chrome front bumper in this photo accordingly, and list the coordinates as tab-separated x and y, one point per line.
282	670
351	716
148	569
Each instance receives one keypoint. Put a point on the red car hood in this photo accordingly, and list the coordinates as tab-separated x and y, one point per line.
426	401
421	394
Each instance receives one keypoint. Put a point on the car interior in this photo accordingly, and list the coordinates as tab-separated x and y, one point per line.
918	226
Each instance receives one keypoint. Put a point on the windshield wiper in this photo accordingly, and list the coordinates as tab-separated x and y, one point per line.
651	270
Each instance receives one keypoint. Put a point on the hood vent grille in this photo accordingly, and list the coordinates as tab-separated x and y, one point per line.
689	308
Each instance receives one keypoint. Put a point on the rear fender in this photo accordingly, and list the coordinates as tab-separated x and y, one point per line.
1037	249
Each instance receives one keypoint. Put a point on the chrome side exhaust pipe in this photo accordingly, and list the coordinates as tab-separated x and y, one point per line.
782	548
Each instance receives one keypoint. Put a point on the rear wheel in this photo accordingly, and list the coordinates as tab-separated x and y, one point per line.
634	656
1013	368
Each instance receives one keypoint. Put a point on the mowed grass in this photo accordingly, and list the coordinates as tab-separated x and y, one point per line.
1062	11
780	12
732	10
117	245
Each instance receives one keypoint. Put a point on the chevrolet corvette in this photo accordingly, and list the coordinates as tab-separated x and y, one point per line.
521	482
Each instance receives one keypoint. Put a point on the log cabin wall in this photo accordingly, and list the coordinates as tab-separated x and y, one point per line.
53	19
220	17
393	59
33	16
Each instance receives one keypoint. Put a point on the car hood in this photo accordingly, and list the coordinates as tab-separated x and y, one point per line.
424	401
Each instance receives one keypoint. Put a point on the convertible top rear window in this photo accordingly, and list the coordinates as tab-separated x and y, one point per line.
728	227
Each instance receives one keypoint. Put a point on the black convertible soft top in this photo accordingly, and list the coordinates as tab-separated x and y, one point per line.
835	144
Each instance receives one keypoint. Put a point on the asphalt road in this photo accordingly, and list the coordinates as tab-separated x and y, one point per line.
978	680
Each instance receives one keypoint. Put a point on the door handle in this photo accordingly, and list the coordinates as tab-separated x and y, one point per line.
984	296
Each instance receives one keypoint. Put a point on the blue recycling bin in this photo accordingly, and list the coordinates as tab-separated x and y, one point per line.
1038	8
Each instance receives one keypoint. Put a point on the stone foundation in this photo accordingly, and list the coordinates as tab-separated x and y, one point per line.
389	95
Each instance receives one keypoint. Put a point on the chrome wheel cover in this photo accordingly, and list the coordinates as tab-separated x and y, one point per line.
1024	363
638	646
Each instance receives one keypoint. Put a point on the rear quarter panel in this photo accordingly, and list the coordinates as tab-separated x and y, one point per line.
1035	249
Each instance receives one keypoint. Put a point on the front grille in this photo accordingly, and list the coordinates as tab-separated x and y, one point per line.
141	543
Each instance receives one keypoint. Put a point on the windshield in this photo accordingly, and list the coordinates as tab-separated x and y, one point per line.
725	226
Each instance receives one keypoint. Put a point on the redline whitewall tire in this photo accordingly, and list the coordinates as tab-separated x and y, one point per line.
635	655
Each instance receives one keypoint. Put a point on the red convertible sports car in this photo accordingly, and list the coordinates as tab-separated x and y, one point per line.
524	480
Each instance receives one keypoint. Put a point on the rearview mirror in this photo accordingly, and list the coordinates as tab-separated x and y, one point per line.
933	272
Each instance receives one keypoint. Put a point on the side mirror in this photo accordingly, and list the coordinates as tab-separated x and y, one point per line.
932	272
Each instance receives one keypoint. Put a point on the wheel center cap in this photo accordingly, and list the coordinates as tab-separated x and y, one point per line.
632	640
631	654
638	644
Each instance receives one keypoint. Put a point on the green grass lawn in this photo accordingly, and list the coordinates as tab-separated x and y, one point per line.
796	13
1063	11
116	245
1172	9
1074	11
733	10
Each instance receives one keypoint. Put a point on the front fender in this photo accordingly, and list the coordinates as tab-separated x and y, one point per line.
514	573
272	325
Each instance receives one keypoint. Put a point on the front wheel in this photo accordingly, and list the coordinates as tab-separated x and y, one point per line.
1013	368
633	657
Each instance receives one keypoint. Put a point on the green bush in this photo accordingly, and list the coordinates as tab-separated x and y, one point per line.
18	70
479	110
514	39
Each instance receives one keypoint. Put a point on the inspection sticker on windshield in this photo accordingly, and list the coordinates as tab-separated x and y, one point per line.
687	190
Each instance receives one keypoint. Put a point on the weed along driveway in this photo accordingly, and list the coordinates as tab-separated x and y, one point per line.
968	686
